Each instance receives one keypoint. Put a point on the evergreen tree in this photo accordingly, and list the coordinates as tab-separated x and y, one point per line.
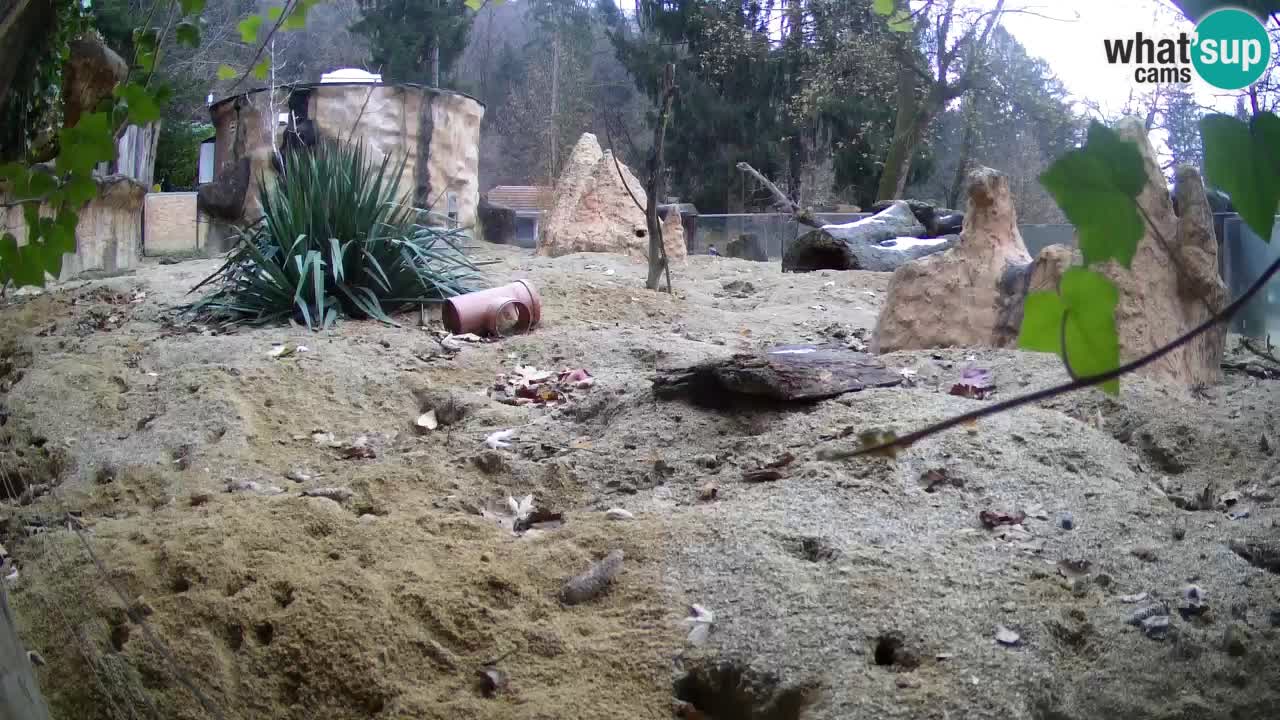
405	37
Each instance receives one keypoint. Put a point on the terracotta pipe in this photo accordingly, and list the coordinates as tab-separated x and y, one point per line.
470	313
506	316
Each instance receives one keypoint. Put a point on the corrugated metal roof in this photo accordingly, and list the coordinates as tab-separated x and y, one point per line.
521	197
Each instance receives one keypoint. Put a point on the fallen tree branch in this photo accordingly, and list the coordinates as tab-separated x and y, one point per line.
801	215
901	443
1264	354
613	150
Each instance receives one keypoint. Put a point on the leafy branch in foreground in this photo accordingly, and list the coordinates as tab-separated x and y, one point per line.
335	240
892	444
1097	187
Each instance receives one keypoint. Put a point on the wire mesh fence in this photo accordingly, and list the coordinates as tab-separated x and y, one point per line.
1243	259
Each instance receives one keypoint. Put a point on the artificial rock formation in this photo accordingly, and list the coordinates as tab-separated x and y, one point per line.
593	211
959	297
91	72
972	295
1173	283
109	234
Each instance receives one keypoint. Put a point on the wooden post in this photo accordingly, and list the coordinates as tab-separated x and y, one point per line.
20	697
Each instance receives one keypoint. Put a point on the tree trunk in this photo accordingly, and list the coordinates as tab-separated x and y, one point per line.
905	136
966	152
25	29
657	250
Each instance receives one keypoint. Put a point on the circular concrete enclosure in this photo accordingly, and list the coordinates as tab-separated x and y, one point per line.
437	132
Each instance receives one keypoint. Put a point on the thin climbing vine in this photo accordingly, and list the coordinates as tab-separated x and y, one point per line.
1097	188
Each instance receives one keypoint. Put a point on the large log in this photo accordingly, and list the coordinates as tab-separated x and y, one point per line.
786	373
864	244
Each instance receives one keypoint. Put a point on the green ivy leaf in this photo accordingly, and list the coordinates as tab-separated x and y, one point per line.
297	19
1088	301
39	185
1244	160
249	28
15	173
192	7
273	14
226	72
67	220
882	7
901	22
263	69
147	61
79	189
90	142
1097	188
477	4
145	40
58	239
142	107
187	33
14	264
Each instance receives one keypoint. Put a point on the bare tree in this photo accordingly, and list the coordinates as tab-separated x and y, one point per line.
654	187
924	89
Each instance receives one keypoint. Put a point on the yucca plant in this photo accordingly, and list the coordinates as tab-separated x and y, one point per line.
334	240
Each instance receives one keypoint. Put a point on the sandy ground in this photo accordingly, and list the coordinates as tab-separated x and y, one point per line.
846	589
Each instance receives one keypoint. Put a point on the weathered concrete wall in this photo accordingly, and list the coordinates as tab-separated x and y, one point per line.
245	127
453	160
170	225
109	236
385	118
437	133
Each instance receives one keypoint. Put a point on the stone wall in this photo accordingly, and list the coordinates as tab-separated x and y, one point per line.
109	236
170	225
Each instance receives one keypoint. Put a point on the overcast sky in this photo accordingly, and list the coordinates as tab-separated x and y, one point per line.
1073	47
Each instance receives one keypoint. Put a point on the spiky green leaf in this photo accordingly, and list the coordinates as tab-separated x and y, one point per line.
226	72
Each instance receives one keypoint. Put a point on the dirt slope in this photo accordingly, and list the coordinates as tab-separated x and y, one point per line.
845	589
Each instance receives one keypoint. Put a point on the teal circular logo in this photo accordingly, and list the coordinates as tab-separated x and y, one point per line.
1232	49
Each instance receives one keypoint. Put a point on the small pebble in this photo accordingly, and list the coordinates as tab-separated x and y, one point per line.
1009	606
1233	640
1145	553
1156	626
1005	636
618	514
1066	521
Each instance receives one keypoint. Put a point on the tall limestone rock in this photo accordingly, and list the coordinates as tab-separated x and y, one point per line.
972	295
593	211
